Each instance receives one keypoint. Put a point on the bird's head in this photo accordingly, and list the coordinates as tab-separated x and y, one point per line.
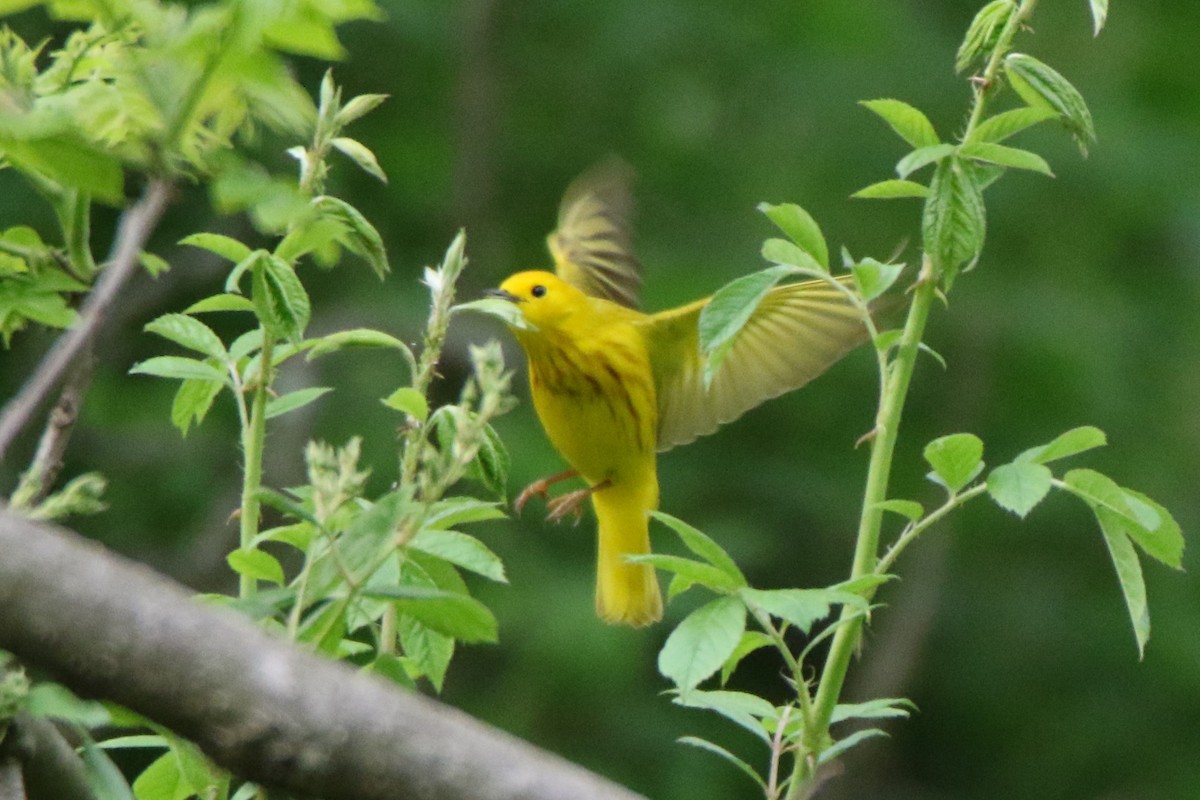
543	298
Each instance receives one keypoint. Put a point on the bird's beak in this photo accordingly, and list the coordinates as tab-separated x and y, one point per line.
501	294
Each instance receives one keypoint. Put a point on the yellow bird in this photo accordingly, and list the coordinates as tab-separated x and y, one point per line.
613	386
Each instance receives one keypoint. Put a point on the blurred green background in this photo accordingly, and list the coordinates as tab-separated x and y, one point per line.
1011	638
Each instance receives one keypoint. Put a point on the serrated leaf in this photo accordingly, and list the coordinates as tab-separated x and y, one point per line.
455	511
429	650
361	237
783	252
1019	486
188	332
1163	542
280	299
491	463
1073	442
220	302
1099	10
461	550
703	546
360	154
909	509
180	368
741	708
357	337
891	189
881	708
983	32
702	642
704	744
1006	157
923	156
909	122
800	227
1039	84
842	745
1129	573
256	564
724	316
408	400
458	615
694	572
955	459
1097	489
192	402
798	607
291	401
954	222
224	246
874	277
1008	123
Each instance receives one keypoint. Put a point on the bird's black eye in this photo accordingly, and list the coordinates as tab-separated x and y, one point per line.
538	291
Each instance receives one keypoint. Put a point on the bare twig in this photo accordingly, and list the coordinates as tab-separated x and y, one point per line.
135	227
267	710
37	481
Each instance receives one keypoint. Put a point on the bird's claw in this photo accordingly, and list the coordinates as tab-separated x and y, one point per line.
540	488
569	503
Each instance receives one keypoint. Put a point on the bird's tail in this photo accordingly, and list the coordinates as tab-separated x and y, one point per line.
626	593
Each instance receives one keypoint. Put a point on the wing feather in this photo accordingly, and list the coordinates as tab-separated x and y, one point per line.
797	332
592	246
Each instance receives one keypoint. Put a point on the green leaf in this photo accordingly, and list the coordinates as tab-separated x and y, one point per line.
798	607
750	641
704	744
103	776
741	708
68	160
180	368
702	642
703	546
1040	85
306	34
881	708
50	700
361	155
923	156
162	780
189	332
491	463
408	400
874	277
427	649
192	402
954	222
1099	14
462	550
503	310
1074	441
291	401
358	107
1006	157
842	745
893	188
956	459
361	237
220	302
279	298
1163	542
224	246
1099	490
983	32
357	337
693	572
455	511
912	125
1008	123
458	615
1129	573
783	252
256	564
910	509
800	227
724	316
1019	486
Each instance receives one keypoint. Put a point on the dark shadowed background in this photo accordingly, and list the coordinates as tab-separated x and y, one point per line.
1011	637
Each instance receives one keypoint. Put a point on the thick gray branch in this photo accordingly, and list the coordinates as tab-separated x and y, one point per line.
134	229
259	706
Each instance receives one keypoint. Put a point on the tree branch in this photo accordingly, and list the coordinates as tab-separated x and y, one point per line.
48	765
259	706
133	230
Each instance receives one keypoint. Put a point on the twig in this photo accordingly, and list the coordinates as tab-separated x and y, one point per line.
36	482
134	228
271	712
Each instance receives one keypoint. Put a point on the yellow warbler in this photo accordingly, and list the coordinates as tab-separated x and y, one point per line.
612	385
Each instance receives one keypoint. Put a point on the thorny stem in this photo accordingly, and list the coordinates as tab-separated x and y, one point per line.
895	390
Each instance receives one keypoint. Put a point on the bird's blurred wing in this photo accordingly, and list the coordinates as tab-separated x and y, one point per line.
592	246
797	332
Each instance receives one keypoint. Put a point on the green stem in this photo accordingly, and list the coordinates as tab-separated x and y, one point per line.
253	436
924	524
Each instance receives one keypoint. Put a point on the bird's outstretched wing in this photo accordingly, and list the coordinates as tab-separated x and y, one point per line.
797	332
592	246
